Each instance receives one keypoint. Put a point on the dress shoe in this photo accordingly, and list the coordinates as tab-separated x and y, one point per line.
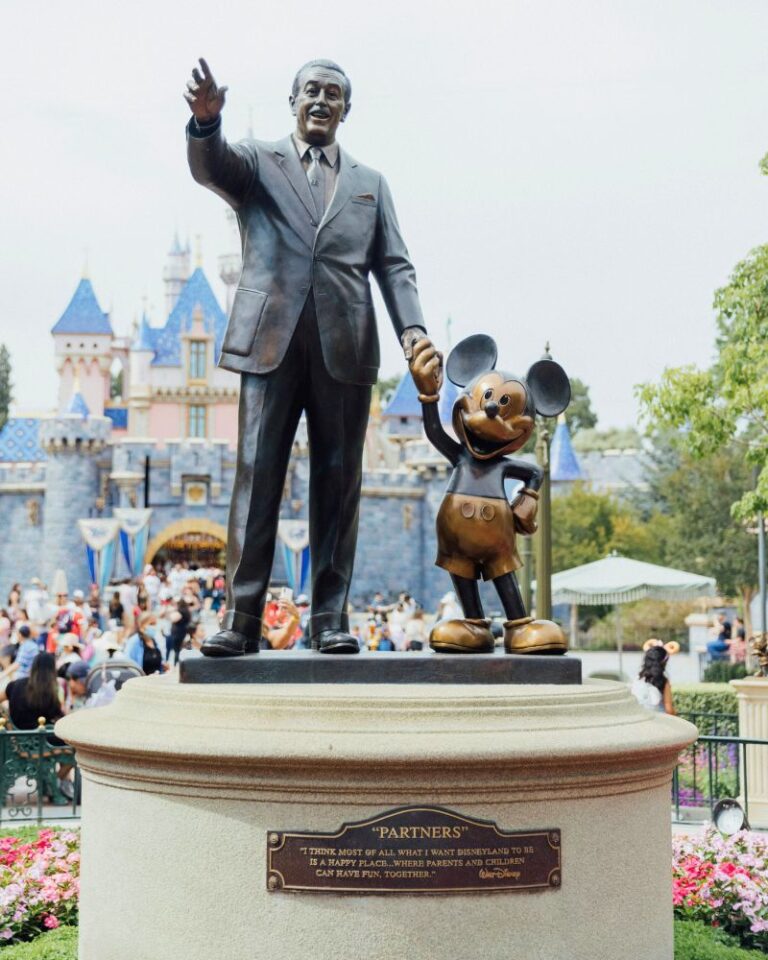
527	635
462	636
229	643
335	641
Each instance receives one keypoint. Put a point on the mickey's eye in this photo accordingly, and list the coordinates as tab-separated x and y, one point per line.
504	401
488	394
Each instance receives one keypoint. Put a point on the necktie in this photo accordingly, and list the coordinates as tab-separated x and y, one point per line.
316	177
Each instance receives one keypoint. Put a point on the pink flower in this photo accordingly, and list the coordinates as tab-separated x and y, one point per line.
50	922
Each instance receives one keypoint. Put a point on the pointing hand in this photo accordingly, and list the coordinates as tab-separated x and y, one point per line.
205	99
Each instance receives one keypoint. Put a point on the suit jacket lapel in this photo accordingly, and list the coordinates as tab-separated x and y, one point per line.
345	186
291	166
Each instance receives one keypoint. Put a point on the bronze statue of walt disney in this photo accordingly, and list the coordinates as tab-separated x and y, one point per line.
314	224
477	526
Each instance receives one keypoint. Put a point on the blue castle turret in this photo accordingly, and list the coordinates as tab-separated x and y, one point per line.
564	464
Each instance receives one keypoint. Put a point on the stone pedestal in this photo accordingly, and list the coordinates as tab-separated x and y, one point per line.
753	725
183	784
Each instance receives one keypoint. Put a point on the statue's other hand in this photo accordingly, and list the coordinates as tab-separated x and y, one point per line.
426	365
525	510
204	97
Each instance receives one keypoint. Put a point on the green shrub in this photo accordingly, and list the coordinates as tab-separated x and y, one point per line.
722	672
695	940
27	834
709	698
59	944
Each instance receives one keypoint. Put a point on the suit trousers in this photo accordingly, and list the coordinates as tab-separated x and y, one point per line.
271	405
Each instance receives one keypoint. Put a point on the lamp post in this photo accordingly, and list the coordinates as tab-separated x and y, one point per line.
526	555
544	535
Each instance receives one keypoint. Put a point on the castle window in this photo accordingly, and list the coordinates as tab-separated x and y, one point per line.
197	420
197	359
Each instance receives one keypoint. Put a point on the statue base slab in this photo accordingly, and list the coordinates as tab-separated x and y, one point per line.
186	785
306	666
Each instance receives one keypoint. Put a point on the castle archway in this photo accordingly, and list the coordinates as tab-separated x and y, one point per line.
196	541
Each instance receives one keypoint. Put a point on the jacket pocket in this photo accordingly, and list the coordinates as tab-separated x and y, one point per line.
247	311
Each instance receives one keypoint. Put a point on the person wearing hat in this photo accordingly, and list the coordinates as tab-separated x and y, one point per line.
36	601
105	647
69	648
77	687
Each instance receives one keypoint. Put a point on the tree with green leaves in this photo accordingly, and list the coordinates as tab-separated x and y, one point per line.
727	404
688	503
587	526
6	386
387	386
580	414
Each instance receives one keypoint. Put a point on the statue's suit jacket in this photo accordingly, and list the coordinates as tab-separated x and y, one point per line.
286	253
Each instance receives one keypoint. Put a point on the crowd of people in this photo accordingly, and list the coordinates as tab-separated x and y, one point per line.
728	642
52	643
155	621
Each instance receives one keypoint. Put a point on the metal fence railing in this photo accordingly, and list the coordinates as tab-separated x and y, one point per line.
712	724
713	768
39	777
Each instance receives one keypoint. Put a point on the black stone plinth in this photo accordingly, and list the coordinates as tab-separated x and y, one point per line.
305	666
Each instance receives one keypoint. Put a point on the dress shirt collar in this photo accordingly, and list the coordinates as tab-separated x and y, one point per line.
330	152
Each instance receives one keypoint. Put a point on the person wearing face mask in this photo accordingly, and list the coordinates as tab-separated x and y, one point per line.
315	224
142	647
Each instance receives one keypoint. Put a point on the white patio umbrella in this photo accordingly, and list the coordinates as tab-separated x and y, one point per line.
617	580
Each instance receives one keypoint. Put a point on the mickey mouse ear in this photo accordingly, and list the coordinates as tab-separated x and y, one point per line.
471	357
549	387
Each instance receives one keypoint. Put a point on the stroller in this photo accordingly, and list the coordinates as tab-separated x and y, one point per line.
105	679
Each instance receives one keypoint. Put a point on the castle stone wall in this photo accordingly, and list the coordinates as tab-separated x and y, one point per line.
74	446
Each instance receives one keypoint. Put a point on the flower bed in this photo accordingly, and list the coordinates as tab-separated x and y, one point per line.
723	882
39	884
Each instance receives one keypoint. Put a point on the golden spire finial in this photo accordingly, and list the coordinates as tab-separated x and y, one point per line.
198	250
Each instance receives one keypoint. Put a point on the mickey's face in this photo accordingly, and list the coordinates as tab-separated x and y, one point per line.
494	415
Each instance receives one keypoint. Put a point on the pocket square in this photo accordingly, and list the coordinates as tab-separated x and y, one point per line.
366	196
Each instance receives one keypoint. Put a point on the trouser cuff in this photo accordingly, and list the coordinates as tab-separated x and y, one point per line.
242	623
328	621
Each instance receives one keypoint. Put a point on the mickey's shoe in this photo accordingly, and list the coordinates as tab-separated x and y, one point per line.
533	636
462	636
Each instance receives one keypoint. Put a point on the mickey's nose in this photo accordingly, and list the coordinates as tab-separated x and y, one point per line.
491	408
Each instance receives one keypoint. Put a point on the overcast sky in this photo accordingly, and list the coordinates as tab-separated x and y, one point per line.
584	172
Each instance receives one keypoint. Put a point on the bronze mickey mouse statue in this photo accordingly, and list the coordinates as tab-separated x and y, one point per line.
476	524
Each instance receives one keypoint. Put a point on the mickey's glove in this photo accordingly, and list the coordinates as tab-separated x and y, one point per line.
525	510
426	365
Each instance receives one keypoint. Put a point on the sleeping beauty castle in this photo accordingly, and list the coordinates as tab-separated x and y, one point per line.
137	462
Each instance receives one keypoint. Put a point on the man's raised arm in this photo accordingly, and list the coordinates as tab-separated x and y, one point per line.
227	170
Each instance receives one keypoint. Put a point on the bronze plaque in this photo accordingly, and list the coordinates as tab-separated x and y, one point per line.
414	850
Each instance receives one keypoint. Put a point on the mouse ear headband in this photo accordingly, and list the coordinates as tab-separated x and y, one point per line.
672	647
548	386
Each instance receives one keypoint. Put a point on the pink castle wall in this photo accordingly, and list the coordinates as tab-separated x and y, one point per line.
93	385
165	422
224	423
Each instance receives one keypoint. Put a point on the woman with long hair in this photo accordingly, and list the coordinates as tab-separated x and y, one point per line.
37	695
652	688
